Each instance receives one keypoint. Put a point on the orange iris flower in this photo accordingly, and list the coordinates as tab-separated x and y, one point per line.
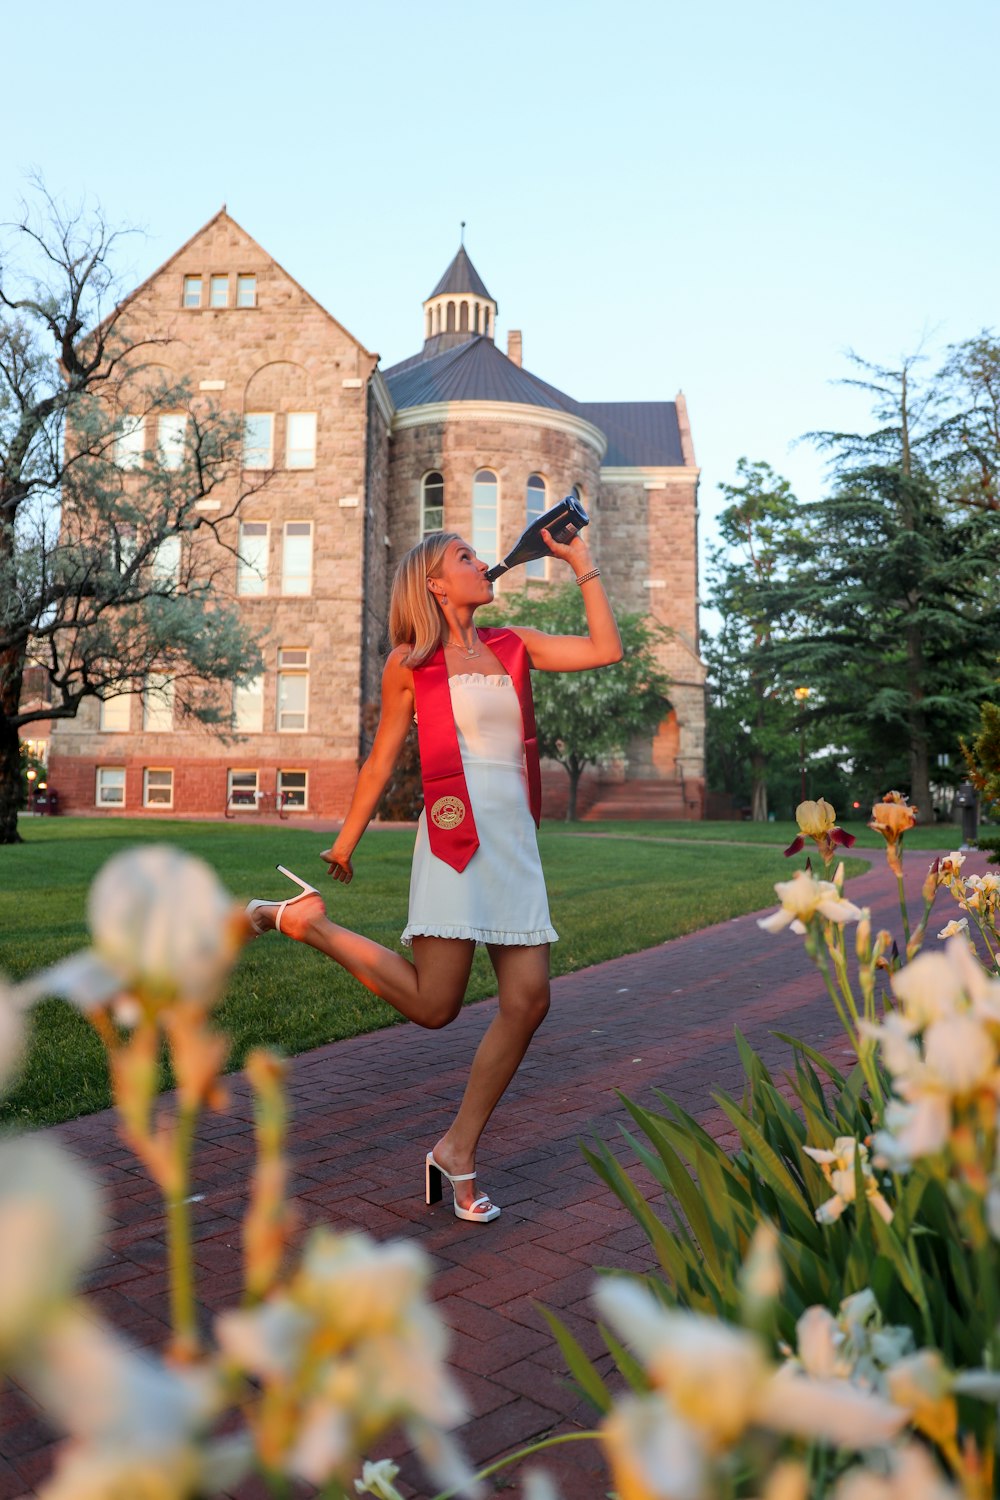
891	818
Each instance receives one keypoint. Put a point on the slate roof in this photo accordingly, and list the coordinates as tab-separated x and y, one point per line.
461	276
640	434
475	371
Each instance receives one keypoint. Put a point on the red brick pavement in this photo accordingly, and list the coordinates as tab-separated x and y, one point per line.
365	1111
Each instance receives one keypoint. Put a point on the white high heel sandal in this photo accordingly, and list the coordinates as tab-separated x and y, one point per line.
433	1174
254	906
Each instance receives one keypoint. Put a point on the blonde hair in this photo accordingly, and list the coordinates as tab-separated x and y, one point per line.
415	618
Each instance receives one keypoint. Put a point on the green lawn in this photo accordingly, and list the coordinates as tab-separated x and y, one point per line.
608	895
939	837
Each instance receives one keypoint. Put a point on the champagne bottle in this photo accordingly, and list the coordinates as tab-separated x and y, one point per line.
569	513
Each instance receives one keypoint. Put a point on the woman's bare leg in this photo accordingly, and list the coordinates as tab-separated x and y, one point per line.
523	984
429	991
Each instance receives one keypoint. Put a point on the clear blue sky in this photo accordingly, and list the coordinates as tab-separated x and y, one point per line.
715	196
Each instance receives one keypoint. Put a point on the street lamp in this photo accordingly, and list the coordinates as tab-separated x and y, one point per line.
801	694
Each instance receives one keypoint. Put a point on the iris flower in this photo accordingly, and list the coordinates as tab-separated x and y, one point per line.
818	821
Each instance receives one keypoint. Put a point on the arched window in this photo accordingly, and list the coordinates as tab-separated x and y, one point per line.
431	503
437	318
486	321
475	321
430	323
463	318
451	318
485	515
535	506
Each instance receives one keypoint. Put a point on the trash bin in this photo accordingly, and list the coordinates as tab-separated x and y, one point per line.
53	807
967	798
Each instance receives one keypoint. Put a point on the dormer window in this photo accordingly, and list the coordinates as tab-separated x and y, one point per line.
218	291
246	290
192	291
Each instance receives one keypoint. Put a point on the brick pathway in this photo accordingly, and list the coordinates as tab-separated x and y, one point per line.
365	1111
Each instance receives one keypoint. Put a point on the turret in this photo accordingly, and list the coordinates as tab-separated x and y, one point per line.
459	307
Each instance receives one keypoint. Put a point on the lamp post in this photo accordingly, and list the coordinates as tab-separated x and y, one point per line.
801	694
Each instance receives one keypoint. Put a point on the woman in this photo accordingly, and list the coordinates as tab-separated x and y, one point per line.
476	874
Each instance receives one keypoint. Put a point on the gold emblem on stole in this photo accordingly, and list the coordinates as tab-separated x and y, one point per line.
448	812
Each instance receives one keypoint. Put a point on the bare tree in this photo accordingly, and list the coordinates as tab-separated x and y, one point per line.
111	562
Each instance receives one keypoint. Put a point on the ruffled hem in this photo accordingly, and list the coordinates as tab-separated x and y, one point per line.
483	935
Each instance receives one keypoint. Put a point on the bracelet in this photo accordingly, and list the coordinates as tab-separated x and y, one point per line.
586	577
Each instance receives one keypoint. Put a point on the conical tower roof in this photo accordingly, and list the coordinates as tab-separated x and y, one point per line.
461	276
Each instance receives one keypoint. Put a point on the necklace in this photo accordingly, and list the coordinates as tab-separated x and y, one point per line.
467	651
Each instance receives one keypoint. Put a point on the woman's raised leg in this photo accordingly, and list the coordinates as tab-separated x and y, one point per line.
428	991
523	987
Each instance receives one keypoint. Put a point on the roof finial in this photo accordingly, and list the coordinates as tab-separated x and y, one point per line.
461	239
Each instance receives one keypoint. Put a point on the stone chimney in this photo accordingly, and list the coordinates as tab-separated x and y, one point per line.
514	346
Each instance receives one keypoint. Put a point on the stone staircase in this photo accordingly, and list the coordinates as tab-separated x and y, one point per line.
633	800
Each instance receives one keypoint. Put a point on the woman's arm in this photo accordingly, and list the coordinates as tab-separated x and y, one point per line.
602	644
393	725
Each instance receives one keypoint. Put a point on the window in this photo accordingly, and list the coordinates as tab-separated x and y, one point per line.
130	442
432	503
300	440
258	440
192	291
246	291
248	707
293	788
110	786
218	291
115	714
535	507
296	558
241	788
166	562
158	704
157	788
293	689
172	431
484	515
251	564
126	545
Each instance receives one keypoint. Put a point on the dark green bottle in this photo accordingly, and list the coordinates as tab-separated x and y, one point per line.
568	514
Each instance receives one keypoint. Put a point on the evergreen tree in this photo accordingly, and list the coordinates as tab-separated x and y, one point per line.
888	604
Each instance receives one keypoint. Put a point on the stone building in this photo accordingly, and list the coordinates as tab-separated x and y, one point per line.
362	462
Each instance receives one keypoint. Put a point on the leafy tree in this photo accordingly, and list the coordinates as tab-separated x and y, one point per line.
108	568
967	461
750	713
982	757
888	603
584	716
29	763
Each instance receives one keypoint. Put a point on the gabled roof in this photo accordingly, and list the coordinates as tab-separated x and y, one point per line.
461	276
640	434
224	214
475	371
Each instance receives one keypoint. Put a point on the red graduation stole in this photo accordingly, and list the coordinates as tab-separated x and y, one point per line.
451	826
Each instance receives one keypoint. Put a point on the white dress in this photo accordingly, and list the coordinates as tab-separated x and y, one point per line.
500	895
